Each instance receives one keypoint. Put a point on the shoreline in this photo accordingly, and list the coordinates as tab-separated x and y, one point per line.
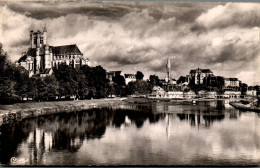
19	111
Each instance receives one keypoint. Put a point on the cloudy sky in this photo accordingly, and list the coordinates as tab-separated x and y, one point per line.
131	36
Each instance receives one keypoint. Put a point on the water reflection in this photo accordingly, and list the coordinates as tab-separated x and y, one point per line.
65	139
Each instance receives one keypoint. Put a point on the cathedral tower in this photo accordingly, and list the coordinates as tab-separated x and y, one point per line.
38	60
31	39
47	61
44	36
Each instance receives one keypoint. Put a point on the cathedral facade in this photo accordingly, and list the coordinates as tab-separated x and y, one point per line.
41	58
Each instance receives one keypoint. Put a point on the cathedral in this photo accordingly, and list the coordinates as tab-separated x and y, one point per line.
41	58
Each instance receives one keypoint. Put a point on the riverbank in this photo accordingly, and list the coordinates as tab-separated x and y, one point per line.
19	111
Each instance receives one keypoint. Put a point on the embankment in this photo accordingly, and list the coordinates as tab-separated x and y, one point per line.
19	111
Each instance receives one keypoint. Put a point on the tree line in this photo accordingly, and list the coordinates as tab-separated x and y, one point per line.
64	83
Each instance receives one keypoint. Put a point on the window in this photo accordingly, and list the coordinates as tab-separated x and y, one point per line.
34	39
41	40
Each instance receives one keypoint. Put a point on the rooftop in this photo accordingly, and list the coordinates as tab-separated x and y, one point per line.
56	50
201	70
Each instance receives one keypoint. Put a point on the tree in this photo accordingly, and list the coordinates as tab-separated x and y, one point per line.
96	81
182	79
52	86
68	78
119	80
7	92
119	85
3	60
138	87
83	86
139	75
12	79
154	80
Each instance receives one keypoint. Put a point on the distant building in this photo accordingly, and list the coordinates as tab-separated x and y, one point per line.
251	93
189	95
130	78
207	94
197	75
232	94
159	93
175	95
214	81
231	82
40	58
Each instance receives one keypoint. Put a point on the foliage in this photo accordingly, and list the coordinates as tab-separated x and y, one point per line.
138	87
182	79
68	78
7	92
154	80
118	85
139	75
97	85
12	80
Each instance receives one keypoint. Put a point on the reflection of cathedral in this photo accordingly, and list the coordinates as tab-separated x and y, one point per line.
40	58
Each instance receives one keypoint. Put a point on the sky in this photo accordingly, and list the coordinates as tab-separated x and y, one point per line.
140	36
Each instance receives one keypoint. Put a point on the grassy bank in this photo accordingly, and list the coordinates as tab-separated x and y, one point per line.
18	111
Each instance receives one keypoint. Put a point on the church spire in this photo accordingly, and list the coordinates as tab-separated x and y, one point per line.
168	65
168	69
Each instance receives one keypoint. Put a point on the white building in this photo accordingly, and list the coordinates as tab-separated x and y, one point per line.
232	94
129	78
207	94
251	93
231	82
189	95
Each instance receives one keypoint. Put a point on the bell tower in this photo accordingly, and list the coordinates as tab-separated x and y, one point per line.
44	36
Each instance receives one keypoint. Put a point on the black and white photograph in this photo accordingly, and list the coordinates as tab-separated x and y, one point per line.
129	83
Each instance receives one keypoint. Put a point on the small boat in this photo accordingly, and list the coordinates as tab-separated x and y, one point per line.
248	107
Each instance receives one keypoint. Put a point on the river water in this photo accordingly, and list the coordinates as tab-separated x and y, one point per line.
159	133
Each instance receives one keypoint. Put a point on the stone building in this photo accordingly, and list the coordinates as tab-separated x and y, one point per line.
197	75
41	58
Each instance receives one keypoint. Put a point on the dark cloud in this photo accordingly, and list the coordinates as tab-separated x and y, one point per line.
42	10
21	43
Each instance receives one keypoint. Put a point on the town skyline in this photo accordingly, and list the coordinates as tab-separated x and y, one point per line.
140	36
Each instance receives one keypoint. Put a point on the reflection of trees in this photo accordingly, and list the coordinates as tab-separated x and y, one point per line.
136	116
66	131
233	115
209	119
11	136
220	105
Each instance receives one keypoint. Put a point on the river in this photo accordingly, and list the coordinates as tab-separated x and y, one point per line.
159	133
